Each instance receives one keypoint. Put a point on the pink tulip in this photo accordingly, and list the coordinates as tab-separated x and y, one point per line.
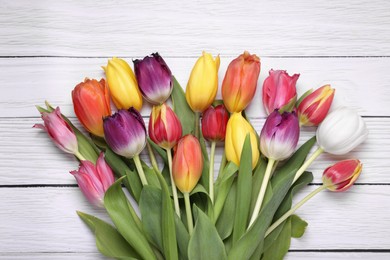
94	180
342	175
59	131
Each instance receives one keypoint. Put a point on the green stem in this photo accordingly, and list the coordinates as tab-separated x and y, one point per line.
211	172
152	158
197	127
174	190
190	222
140	171
79	156
293	209
261	195
223	164
307	163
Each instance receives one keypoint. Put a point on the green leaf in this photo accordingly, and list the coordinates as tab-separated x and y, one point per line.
182	109
244	191
126	220
249	242
151	175
229	170
162	152
298	226
183	238
108	240
257	180
150	208
204	178
224	223
168	226
280	247
120	168
205	242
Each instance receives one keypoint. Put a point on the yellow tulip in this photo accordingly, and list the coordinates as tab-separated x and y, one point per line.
123	84
236	131
203	83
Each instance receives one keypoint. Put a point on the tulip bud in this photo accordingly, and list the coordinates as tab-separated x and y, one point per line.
214	123
240	82
187	163
91	102
154	78
342	175
341	131
314	107
94	180
279	136
123	84
236	132
59	131
164	126
125	132
279	91
203	83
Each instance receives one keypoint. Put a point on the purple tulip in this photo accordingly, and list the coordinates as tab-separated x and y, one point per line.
125	132
154	78
279	136
94	180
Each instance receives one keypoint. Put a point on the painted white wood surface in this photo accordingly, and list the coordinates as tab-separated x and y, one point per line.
47	47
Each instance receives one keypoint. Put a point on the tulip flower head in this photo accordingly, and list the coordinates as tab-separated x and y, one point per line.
314	107
59	131
236	132
94	180
164	126
342	175
125	132
91	102
187	163
123	84
279	91
341	131
203	83
240	82
279	136
154	78
214	122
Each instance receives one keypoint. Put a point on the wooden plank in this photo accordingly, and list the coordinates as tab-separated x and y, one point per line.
44	220
89	28
25	82
43	163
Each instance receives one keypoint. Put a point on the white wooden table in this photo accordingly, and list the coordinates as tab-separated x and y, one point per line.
47	47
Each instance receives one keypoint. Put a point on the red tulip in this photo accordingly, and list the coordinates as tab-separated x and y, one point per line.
342	175
91	102
214	123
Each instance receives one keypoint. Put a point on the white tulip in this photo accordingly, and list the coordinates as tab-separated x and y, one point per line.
341	131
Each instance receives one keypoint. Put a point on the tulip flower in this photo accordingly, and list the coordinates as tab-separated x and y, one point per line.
338	177
60	132
240	82
279	91
165	130
154	78
94	180
314	107
164	126
214	123
278	140
340	132
123	84
342	175
186	169
236	131
91	102
125	133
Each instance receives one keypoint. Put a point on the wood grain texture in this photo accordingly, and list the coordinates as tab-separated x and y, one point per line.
25	82
43	163
177	28
44	220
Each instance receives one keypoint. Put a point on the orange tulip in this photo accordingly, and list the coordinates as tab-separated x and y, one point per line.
91	102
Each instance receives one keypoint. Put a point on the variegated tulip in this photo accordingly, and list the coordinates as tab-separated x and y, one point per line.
342	175
91	102
240	82
123	84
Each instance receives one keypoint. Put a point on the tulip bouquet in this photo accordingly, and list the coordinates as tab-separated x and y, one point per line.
184	208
